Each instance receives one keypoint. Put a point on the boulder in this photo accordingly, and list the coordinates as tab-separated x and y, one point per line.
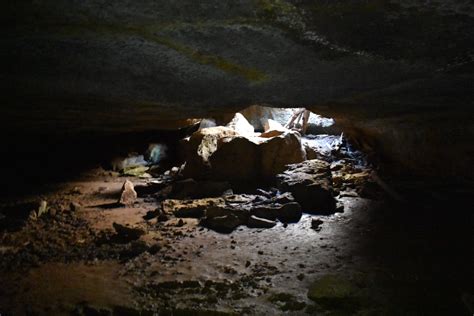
257	222
128	194
240	124
272	125
222	224
156	153
236	159
311	185
277	152
200	146
212	153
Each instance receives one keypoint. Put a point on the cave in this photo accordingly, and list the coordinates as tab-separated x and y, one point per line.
251	157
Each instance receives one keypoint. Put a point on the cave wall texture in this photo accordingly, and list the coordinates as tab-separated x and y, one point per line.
397	74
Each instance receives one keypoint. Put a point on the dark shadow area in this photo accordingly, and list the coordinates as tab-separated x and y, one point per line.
418	255
36	163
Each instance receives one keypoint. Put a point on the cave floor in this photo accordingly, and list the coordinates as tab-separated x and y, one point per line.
374	258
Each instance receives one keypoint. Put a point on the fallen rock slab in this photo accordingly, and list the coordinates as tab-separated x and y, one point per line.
189	208
311	185
285	213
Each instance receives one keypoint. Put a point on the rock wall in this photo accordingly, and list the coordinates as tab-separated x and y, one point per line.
94	66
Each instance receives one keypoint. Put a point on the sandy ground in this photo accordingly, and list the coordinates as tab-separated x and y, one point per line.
395	261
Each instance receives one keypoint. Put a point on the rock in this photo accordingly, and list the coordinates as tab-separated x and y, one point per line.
242	213
135	171
282	198
174	171
222	224
75	206
162	218
311	185
120	163
52	212
232	150
189	208
205	123
290	213
43	208
156	153
277	152
128	232
257	222
128	195
240	124
286	213
272	125
316	224
257	157
152	214
271	134
199	147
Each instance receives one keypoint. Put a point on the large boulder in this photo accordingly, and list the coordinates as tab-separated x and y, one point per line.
197	149
237	159
240	124
311	185
277	152
222	153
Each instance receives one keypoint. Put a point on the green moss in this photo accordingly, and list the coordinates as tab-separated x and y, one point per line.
286	302
332	290
227	66
276	7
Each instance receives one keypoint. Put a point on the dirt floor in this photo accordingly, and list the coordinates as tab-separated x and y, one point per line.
374	258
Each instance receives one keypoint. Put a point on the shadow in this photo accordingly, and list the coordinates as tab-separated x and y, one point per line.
41	162
107	206
15	217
